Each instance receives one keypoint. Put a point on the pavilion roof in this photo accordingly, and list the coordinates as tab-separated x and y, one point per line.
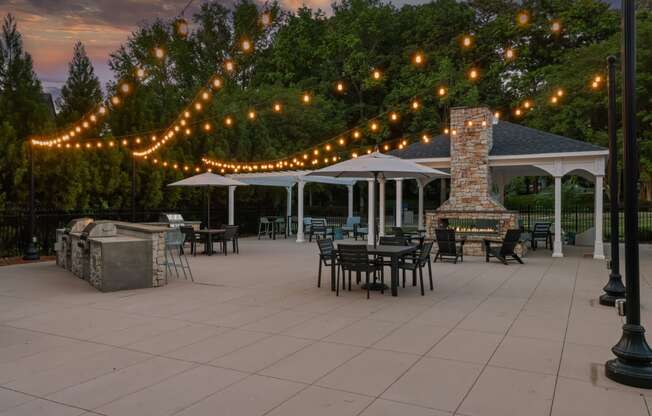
508	139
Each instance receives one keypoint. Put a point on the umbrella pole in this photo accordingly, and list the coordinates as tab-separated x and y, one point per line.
208	207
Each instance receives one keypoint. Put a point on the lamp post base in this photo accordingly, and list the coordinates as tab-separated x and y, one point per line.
614	289
31	253
633	365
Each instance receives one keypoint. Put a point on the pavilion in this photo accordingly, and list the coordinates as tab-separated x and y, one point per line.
522	151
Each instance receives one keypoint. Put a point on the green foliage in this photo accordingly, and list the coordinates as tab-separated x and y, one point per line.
22	112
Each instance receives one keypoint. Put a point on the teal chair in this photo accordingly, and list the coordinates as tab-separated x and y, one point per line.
351	223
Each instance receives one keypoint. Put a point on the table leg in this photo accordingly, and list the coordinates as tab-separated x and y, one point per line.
333	270
209	239
394	276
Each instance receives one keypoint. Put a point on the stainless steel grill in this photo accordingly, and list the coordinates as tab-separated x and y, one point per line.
175	220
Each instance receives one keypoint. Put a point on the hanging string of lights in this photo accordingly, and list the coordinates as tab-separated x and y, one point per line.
184	125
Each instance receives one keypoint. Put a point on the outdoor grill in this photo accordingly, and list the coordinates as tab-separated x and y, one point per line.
63	246
92	230
175	220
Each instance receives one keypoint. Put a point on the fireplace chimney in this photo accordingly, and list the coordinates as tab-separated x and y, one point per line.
471	137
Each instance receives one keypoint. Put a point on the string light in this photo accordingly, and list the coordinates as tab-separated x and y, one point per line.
473	74
228	121
339	86
217	83
376	74
555	26
251	115
277	107
159	53
265	19
115	100
415	104
467	41
207	127
229	65
356	134
393	116
140	73
418	58
246	45
374	126
306	98
442	91
510	54
182	27
523	18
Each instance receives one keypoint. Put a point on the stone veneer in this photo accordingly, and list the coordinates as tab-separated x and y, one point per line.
471	140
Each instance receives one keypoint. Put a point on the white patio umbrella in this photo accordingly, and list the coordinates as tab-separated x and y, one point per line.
208	180
378	165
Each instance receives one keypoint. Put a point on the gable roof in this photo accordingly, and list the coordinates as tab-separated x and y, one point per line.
509	139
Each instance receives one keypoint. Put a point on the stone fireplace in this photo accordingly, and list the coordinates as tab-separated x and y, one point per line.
471	210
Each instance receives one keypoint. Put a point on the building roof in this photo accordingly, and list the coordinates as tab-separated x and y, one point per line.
509	139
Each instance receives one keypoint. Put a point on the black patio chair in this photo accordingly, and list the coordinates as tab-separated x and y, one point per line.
326	250
354	258
224	238
447	247
505	252
393	241
417	262
235	241
541	231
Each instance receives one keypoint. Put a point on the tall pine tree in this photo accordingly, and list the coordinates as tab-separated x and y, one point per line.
82	88
22	112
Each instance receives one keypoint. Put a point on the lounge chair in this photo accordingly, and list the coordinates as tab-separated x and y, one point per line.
447	247
505	252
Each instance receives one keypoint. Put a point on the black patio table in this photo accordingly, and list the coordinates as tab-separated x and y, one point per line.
208	236
393	252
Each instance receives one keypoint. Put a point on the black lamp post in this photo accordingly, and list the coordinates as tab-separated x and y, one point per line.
614	289
31	252
633	362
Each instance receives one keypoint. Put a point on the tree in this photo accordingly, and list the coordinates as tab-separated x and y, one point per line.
82	91
22	111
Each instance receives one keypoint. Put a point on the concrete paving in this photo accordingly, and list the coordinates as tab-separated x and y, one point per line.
255	336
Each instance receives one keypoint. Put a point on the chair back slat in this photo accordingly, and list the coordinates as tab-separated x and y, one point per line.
325	246
541	229
353	255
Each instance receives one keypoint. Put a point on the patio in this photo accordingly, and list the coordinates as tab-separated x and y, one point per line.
256	336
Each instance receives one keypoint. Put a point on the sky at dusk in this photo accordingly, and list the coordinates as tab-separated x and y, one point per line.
50	28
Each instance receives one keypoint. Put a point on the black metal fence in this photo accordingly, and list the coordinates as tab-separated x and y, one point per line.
14	224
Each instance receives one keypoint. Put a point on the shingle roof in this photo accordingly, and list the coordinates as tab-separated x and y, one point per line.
509	139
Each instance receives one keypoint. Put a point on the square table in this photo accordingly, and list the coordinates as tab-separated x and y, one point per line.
208	234
393	252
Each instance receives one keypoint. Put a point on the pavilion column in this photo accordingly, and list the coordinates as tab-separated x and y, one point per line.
300	236
288	215
598	249
350	187
420	220
232	205
557	247
399	202
442	191
381	207
371	224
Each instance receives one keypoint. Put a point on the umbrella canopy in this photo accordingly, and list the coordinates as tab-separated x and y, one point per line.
378	164
208	180
375	166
